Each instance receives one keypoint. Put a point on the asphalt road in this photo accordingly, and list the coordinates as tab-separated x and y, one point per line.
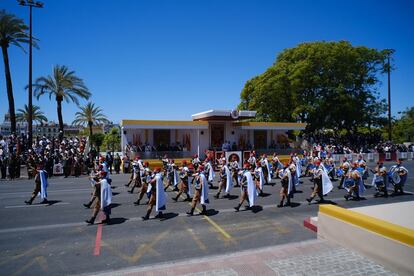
54	239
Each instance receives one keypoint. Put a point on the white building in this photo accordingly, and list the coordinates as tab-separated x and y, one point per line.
207	130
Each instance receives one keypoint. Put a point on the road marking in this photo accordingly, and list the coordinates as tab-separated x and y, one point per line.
215	225
39	260
97	249
35	205
197	240
141	250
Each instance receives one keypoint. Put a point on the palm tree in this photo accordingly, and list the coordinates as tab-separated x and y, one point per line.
12	32
37	115
90	115
62	85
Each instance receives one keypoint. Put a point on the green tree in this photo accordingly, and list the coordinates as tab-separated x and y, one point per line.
403	129
97	140
37	114
13	31
325	84
90	115
112	140
63	84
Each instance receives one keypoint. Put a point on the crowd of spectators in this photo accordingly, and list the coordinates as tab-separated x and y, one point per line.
361	143
67	153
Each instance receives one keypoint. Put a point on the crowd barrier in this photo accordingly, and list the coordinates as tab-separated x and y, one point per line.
375	157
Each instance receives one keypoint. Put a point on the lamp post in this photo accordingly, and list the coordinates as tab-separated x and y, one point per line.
389	100
31	4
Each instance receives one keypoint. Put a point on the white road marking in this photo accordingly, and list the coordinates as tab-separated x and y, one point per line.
35	205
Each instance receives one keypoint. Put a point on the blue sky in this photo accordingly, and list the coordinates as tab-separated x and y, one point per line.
171	59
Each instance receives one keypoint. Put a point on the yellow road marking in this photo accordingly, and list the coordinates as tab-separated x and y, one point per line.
214	224
40	260
197	239
141	250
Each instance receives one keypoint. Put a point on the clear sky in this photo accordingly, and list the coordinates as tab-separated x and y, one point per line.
171	59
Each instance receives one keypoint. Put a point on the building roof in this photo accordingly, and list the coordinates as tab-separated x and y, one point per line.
223	115
158	124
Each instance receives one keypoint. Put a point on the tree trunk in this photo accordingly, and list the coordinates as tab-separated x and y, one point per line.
59	113
9	89
90	128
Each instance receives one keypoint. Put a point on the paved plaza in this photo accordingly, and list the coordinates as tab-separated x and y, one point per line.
54	239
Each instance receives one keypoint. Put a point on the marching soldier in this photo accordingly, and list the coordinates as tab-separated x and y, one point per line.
317	183
172	177
196	162
104	198
234	166
157	195
184	184
345	168
354	183
403	173
200	192
40	185
146	179
380	181
286	181
225	181
248	188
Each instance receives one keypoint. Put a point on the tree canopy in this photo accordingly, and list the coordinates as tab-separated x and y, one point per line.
325	84
403	129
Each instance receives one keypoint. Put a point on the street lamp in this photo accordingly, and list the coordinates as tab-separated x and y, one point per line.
30	4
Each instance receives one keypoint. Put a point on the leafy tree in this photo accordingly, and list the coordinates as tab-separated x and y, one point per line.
112	140
13	31
63	84
90	115
37	114
403	129
97	140
325	84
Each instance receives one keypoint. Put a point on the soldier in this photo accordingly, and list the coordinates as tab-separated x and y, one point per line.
184	182
380	181
209	171
40	185
200	192
172	176
135	178
158	197
146	179
317	183
234	166
286	181
354	183
403	173
248	188
345	168
276	164
225	181
93	178
195	161
259	178
264	163
104	198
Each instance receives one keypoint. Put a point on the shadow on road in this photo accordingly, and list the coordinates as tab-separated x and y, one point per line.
52	202
114	205
257	209
167	216
115	221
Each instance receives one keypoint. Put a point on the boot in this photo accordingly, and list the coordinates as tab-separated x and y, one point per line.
175	198
91	220
191	212
137	202
175	189
88	205
106	220
287	202
238	207
204	211
280	204
146	217
346	197
309	200
217	195
29	202
226	196
188	198
44	201
159	215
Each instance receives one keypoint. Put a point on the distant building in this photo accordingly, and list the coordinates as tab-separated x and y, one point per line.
5	127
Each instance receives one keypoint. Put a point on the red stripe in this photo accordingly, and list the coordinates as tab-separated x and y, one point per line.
97	250
309	225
